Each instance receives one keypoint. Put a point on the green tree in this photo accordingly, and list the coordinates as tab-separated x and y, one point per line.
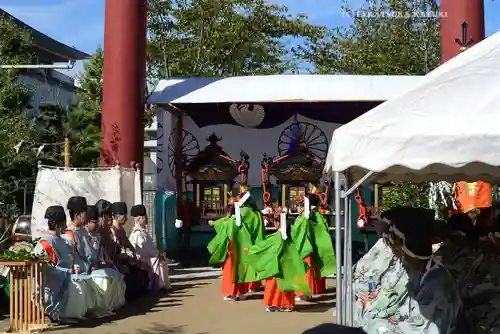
84	119
51	128
223	37
18	165
386	37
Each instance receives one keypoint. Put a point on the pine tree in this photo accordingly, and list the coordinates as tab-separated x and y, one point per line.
17	166
84	118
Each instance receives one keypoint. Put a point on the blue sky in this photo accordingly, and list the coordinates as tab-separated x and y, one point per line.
80	23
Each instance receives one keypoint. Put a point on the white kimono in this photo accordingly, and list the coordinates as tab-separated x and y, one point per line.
148	253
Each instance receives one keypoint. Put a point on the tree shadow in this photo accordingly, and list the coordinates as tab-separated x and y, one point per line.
147	304
314	308
319	304
157	328
176	288
195	278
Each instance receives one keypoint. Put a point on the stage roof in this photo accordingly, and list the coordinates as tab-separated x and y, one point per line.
329	98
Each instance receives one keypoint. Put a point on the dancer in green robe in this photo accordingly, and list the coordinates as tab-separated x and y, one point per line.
277	260
234	234
312	238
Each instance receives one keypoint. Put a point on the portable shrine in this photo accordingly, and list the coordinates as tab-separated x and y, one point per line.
302	147
213	173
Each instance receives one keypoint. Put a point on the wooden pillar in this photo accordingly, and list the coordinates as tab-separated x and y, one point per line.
453	13
124	81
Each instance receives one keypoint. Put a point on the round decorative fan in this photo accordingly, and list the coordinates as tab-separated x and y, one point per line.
247	115
303	134
190	148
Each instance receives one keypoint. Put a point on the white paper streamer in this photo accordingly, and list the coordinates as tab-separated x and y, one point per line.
237	213
283	225
307	207
237	207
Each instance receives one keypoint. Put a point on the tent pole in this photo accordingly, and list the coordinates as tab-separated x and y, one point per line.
345	261
338	250
345	287
349	304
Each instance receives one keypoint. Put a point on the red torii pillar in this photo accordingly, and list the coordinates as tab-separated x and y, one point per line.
454	13
124	81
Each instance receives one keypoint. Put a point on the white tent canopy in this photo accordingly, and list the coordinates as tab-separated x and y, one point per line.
447	127
281	88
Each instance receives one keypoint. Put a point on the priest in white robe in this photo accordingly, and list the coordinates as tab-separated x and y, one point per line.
147	251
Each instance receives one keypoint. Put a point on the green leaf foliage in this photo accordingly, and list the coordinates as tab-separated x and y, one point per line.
223	37
16	168
386	37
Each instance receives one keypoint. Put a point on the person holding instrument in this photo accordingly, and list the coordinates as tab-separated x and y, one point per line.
67	294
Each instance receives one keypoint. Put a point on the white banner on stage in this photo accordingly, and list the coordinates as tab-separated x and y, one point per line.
54	186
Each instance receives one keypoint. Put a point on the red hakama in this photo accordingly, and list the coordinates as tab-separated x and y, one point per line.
273	297
229	287
317	285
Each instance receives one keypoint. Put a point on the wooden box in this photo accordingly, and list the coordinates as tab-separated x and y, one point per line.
26	293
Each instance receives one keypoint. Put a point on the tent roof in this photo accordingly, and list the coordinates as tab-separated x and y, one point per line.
280	88
446	127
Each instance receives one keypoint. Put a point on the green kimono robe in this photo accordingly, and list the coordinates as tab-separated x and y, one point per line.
275	257
314	239
240	238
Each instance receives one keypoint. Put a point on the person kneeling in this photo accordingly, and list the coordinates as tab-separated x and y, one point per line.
110	283
66	296
147	251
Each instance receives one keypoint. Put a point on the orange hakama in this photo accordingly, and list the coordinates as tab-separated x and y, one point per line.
273	297
317	285
229	287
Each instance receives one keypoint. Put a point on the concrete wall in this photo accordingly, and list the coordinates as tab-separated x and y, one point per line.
49	88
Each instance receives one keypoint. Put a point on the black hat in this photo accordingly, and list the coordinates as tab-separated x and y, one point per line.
103	207
92	213
314	200
77	204
138	211
55	214
414	229
119	208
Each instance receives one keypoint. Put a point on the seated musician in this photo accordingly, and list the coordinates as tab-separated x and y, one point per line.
147	250
136	275
110	283
428	300
66	292
109	247
477	271
75	237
